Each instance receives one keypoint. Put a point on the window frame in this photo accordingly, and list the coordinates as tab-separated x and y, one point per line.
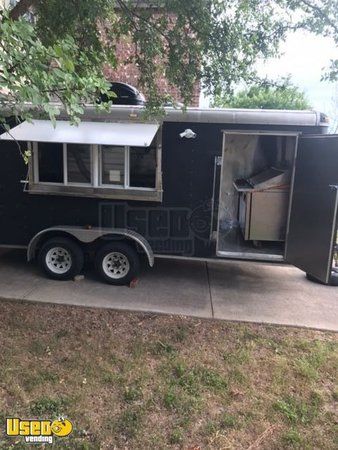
126	169
66	181
35	147
96	188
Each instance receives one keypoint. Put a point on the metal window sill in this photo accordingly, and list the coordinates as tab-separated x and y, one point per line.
97	192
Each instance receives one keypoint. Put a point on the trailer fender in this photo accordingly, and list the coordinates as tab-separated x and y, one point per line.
88	235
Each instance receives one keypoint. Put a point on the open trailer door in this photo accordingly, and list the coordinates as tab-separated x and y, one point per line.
312	226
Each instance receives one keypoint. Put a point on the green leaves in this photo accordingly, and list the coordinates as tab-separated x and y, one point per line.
34	75
213	42
265	96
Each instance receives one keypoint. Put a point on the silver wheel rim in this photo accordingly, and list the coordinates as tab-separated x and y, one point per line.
115	265
58	260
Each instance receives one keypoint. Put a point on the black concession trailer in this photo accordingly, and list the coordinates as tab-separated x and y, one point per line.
210	184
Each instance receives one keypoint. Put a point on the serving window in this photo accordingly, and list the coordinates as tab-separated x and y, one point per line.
106	171
118	160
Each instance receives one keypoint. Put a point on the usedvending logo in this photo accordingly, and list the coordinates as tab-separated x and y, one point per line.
38	431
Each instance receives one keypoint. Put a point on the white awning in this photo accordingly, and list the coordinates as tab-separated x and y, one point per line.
101	133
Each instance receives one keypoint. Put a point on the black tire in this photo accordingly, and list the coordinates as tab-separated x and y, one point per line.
75	262
127	266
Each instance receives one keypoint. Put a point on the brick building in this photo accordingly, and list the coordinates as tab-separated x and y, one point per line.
128	73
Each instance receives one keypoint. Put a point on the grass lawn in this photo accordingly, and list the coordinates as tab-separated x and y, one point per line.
150	382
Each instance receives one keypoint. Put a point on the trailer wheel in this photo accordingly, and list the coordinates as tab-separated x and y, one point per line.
61	258
117	263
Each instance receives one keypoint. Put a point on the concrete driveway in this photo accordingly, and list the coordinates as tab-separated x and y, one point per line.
224	290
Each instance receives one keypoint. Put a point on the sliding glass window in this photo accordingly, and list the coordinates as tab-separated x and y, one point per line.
104	166
113	165
50	163
143	167
79	167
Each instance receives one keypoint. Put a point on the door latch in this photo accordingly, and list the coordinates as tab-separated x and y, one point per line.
218	160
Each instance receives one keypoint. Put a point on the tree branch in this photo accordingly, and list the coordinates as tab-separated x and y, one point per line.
21	8
132	13
321	13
